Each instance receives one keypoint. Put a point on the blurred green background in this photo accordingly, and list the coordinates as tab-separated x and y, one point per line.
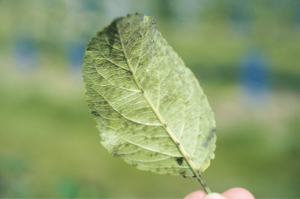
246	55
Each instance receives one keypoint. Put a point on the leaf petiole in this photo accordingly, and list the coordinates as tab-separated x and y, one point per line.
203	183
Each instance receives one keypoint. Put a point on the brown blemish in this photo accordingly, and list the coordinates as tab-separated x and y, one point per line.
179	161
95	113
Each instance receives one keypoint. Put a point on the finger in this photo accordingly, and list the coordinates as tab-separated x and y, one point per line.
214	196
195	195
238	193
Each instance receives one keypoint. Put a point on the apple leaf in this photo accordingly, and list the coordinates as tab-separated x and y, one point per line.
149	106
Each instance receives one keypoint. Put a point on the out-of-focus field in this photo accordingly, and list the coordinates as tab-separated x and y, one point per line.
49	144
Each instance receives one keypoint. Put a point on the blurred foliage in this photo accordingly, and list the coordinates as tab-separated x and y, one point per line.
49	146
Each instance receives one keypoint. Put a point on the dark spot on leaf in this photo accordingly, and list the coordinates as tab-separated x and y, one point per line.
116	155
179	160
110	32
210	136
95	113
115	151
183	174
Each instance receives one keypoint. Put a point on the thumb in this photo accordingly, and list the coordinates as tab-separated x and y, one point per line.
214	196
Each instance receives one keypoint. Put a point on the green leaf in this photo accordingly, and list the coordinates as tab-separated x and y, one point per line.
149	107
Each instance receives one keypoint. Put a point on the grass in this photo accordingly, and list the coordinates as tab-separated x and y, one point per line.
49	145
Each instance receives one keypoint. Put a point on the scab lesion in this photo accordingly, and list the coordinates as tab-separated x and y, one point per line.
179	160
183	174
116	150
116	154
153	154
210	136
95	113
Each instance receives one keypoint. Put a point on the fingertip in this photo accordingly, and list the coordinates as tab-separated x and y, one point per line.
195	195
238	193
214	196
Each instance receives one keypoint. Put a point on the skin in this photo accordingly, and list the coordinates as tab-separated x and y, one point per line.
234	193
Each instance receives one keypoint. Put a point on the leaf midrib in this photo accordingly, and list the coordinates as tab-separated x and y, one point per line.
177	143
140	87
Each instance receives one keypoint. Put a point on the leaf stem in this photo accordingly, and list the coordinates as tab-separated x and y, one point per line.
189	162
203	183
192	166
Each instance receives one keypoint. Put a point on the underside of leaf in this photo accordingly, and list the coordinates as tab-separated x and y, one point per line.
149	107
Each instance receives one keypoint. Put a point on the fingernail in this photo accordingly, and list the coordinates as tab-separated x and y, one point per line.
214	196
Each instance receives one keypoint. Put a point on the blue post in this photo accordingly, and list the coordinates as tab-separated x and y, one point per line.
254	78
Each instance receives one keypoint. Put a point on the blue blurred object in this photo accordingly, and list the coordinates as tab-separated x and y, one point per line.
75	54
297	16
254	78
240	12
25	54
91	5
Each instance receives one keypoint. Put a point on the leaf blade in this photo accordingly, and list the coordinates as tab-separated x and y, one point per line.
147	103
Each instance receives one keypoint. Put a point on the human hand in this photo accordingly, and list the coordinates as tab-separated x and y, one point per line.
234	193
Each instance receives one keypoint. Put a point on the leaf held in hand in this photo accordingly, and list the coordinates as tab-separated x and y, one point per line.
149	106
